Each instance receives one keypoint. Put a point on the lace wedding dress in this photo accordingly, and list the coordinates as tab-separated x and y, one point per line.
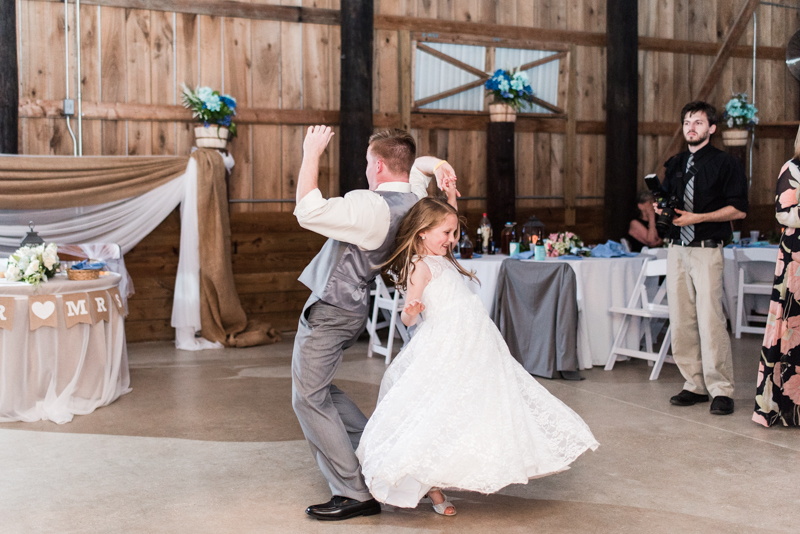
456	410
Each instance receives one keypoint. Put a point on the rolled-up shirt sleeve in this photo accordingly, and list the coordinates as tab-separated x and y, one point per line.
418	181
360	217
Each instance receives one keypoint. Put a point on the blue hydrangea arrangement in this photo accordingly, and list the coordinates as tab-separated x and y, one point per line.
210	107
739	113
509	87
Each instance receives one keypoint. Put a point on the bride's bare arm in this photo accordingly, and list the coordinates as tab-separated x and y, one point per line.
414	288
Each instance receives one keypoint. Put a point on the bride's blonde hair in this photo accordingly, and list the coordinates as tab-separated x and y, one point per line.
426	215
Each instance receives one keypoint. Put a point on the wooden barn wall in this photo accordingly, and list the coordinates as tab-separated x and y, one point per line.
134	56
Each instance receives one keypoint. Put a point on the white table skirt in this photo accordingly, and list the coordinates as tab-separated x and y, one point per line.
601	283
55	373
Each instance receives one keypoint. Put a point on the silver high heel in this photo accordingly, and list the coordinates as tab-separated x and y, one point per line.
442	506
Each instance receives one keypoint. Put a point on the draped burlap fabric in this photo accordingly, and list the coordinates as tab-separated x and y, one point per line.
221	315
51	182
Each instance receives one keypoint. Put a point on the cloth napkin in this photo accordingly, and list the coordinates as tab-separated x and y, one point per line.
86	265
457	256
528	254
611	249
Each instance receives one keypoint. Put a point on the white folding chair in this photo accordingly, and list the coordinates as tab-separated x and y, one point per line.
748	286
647	311
626	246
388	305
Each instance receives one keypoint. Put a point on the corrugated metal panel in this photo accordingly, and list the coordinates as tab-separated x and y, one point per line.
434	76
543	79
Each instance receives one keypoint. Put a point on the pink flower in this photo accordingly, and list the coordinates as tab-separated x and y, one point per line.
788	198
791	336
775	326
789	231
758	418
792	389
785	166
777	379
760	379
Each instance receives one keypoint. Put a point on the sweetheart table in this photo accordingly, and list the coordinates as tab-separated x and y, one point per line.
56	372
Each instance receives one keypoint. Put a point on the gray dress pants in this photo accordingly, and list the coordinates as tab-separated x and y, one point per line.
331	422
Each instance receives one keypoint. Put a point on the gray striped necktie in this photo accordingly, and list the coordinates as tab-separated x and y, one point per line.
687	232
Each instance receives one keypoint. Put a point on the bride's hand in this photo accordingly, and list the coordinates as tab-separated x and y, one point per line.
414	307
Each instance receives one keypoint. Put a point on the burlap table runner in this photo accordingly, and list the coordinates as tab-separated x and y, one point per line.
221	315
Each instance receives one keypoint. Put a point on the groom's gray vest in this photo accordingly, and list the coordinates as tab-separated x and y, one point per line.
340	273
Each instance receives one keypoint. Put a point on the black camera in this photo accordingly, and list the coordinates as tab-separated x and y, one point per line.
667	205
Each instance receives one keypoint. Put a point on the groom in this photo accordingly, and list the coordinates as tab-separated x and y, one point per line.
361	228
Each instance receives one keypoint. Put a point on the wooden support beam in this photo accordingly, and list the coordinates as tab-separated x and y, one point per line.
548	105
543	61
453	61
450	92
570	142
714	73
622	104
501	174
355	94
9	79
404	77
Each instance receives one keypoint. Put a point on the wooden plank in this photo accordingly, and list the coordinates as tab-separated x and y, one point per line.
570	142
266	39
237	66
162	76
405	87
450	92
60	142
90	76
138	79
187	73
228	8
9	80
113	77
210	57
33	80
714	72
526	164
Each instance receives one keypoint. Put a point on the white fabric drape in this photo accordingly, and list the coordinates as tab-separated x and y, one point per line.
127	222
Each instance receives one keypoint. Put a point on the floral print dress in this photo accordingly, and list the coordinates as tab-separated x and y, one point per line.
778	384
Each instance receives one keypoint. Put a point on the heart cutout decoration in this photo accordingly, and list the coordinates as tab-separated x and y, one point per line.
43	310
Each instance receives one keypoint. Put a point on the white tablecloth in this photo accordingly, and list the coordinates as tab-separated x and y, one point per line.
601	283
55	373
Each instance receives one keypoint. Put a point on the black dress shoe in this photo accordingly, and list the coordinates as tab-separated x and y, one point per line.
722	405
339	508
687	398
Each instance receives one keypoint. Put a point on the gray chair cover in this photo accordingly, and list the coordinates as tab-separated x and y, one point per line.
536	310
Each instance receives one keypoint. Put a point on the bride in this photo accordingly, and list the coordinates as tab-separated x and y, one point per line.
455	409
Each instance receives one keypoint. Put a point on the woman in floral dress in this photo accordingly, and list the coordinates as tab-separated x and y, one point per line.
778	384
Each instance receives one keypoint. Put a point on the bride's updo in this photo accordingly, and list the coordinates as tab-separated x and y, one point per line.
426	215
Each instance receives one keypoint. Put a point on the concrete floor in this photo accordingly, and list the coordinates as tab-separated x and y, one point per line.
208	442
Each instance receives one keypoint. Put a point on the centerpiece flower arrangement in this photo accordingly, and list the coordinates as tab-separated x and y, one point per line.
212	109
563	243
510	88
739	113
33	264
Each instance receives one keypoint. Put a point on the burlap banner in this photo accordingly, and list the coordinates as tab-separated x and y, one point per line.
99	304
42	311
76	308
117	298
7	306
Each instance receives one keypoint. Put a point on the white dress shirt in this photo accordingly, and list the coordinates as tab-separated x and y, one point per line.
361	217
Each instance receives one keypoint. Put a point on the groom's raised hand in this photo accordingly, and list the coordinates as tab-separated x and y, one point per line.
317	139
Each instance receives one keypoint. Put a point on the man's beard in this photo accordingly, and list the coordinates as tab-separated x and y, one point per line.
699	141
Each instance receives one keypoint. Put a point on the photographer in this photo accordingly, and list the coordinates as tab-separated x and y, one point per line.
711	187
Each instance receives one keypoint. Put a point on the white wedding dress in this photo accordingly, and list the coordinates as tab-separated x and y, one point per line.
456	410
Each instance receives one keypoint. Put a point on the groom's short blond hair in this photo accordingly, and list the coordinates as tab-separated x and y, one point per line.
396	148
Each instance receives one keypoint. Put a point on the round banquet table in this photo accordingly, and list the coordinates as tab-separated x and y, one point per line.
55	373
601	283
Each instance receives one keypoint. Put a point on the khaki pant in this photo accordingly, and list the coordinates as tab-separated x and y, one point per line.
700	343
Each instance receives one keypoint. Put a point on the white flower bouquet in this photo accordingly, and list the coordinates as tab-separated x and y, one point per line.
33	264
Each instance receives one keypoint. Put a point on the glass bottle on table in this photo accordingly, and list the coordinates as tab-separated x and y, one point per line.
508	235
466	248
485	228
479	243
